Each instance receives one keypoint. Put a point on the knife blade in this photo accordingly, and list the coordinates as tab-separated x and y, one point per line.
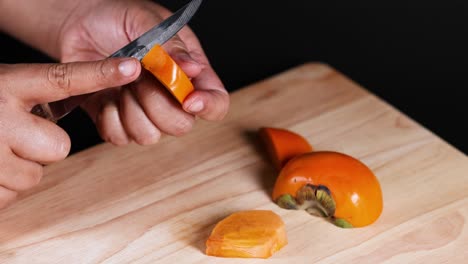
138	48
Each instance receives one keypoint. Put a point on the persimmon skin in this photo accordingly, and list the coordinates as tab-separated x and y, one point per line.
164	68
283	145
353	186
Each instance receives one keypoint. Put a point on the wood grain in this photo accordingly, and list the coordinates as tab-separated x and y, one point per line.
158	204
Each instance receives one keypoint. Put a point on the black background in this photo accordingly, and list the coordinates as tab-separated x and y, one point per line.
413	54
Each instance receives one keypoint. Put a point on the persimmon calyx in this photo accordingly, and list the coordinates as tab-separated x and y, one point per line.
314	199
342	223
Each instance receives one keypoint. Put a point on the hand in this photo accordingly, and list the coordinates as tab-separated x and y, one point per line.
27	141
144	110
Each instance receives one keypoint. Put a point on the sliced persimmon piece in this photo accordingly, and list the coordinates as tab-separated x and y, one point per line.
247	234
164	68
283	145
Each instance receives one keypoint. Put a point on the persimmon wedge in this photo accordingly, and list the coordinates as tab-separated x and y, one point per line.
332	185
247	234
164	68
283	145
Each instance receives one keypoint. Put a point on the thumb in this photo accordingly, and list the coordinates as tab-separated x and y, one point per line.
178	51
42	83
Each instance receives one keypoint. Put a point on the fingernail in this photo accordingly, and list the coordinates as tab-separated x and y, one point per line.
196	106
128	67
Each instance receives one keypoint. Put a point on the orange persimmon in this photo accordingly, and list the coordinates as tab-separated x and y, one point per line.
247	234
164	68
283	145
331	184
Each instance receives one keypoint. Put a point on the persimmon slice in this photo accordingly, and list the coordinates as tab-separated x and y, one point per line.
247	234
164	68
283	145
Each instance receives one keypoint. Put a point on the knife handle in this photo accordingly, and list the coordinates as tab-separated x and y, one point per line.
164	68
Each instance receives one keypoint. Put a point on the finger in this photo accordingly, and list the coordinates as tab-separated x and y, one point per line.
52	82
7	197
108	120
161	108
18	174
37	139
136	123
179	52
210	100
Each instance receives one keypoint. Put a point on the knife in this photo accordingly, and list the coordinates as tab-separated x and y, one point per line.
138	49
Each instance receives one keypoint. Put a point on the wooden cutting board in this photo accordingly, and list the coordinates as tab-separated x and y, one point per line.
158	204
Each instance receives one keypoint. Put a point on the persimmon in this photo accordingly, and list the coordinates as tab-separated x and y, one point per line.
330	184
282	145
247	234
164	68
